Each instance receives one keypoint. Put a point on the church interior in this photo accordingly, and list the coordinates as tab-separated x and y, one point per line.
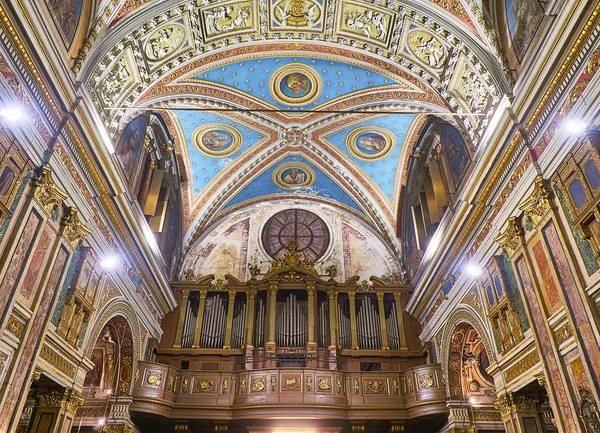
300	216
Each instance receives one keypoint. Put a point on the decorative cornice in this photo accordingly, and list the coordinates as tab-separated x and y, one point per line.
69	399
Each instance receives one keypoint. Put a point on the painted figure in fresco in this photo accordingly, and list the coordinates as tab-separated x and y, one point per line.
66	12
295	177
297	83
127	150
372	142
6	180
523	17
215	140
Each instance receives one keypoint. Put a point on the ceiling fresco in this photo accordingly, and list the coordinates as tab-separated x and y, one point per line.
339	88
296	82
294	175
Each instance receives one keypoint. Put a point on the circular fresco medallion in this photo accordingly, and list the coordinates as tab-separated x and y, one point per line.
370	143
295	84
217	139
164	41
293	175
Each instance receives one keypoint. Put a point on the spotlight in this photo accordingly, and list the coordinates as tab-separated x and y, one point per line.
11	114
474	270
575	126
101	421
472	401
109	262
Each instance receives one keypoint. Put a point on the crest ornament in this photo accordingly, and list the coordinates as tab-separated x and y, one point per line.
46	191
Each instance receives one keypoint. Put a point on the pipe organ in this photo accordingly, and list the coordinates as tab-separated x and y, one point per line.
297	313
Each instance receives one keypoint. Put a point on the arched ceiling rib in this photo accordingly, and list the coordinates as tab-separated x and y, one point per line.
239	67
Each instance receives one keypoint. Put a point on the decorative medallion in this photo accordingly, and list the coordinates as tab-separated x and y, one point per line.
370	143
375	386
217	140
427	48
290	383
297	14
204	385
258	384
294	175
154	378
295	84
228	18
164	41
324	384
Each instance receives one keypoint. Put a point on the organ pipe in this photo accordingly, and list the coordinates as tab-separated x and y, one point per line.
259	323
291	322
323	329
392	325
214	323
344	323
188	325
368	324
239	320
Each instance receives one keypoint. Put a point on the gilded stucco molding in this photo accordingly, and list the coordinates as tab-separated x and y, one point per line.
69	399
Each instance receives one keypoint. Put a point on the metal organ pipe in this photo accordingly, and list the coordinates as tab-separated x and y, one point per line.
239	320
368	326
344	325
392	327
323	325
259	323
214	323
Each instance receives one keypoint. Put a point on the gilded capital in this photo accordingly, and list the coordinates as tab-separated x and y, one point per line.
203	294
539	202
73	229
397	296
185	294
380	296
512	238
351	296
250	294
45	190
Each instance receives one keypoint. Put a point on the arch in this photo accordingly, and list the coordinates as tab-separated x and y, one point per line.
462	314
110	310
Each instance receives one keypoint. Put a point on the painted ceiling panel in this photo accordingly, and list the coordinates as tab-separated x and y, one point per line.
364	143
207	163
268	183
337	79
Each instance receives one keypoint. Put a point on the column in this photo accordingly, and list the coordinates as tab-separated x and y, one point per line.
229	326
353	331
250	295
199	317
384	337
332	320
249	338
311	347
272	302
400	318
55	411
181	322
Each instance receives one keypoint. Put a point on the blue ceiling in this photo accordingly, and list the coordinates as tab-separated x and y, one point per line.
205	168
324	186
252	77
382	172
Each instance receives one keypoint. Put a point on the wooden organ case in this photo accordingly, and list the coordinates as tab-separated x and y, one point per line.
292	336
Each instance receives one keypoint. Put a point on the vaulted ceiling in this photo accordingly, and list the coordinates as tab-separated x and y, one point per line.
306	99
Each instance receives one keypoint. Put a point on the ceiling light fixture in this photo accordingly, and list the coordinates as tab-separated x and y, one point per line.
474	270
575	126
109	262
11	114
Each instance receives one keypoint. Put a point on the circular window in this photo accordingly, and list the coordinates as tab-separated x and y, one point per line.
308	230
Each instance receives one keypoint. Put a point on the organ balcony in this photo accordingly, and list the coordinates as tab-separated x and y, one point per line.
289	336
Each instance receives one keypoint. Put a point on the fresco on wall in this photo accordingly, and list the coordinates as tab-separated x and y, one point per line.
66	15
456	152
130	145
523	18
235	243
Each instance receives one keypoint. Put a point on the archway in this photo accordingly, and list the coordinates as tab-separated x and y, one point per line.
467	363
112	356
